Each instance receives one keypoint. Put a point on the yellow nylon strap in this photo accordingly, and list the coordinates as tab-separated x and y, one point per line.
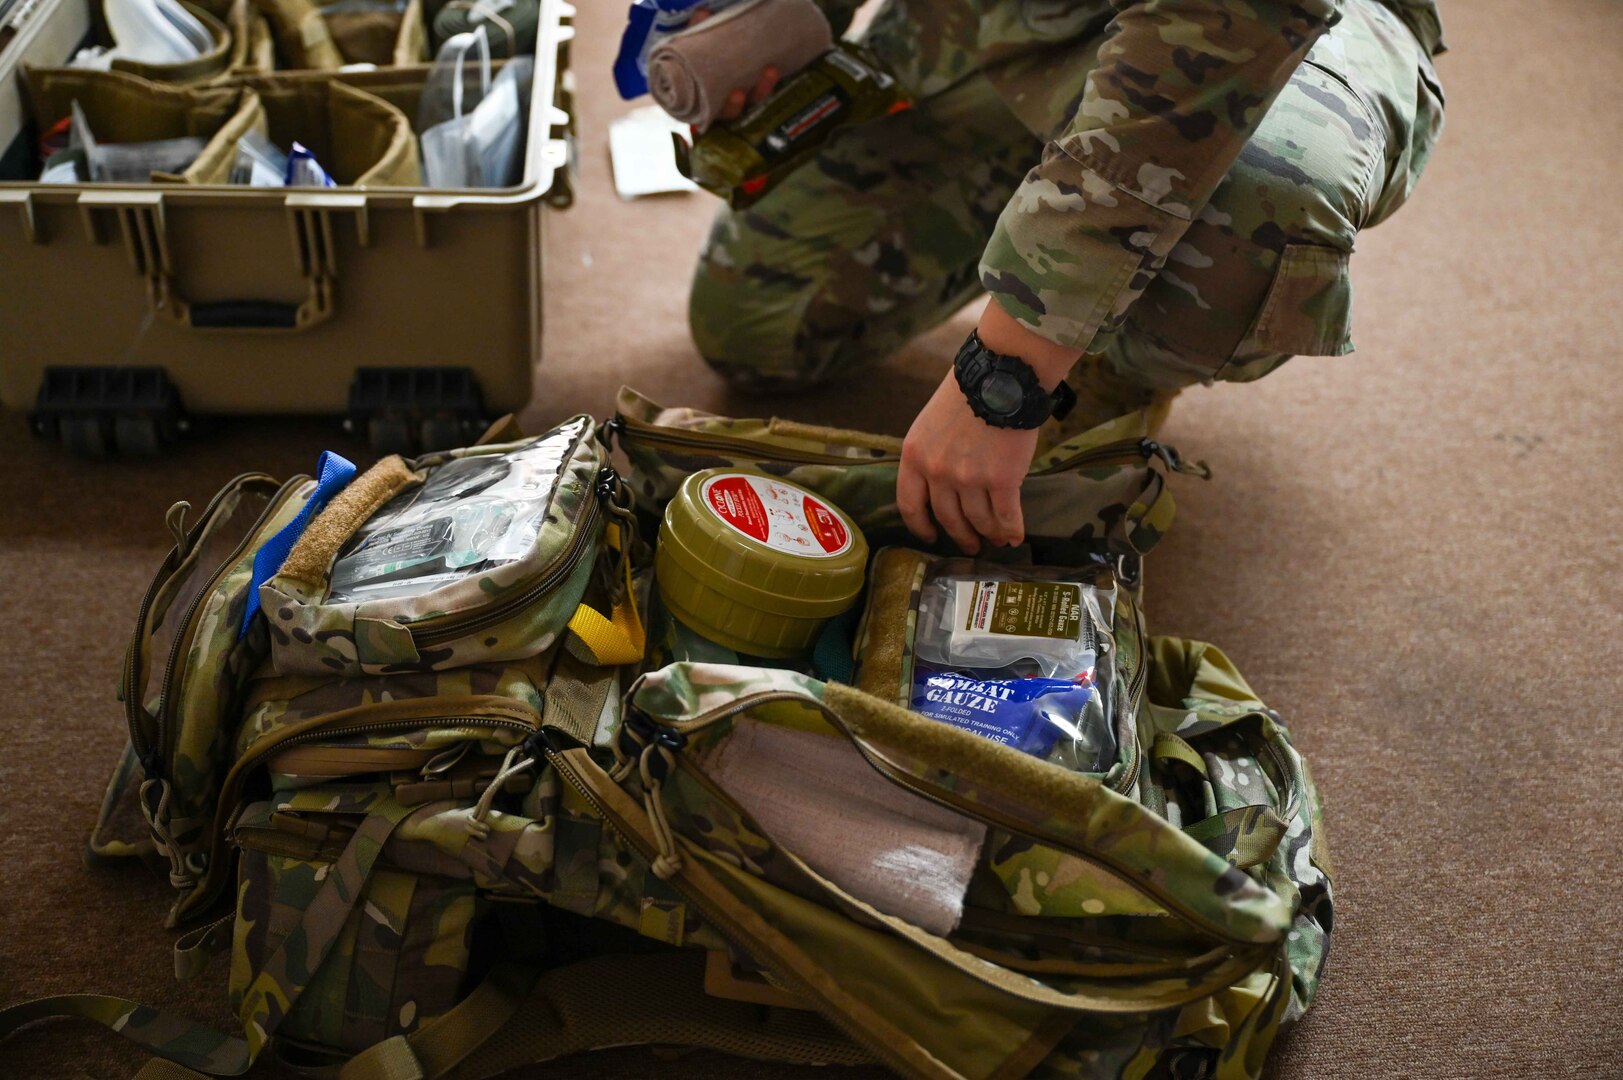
619	639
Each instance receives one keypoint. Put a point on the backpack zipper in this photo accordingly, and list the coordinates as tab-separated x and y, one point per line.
1122	451
324	727
989	816
639	431
432	631
1135	696
188	627
134	705
725	927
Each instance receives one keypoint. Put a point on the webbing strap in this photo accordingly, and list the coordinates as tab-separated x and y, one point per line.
1148	519
159	1069
517	1018
187	1045
1170	747
333	474
443	1043
1246	836
576	694
619	639
286	975
195	948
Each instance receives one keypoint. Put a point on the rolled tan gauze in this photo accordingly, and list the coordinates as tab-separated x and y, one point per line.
691	73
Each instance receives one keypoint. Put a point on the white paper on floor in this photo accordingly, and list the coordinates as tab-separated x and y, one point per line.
644	159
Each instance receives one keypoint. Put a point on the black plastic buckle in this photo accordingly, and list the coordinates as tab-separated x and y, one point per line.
1150	448
549	741
609	488
658	766
1064	400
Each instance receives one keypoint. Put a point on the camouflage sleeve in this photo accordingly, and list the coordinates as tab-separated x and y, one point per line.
1179	88
839	13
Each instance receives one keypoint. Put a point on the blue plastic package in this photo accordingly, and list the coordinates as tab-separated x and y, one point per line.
303	170
648	23
1031	715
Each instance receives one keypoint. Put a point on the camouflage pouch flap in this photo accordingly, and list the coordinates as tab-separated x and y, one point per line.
678	717
483	555
1039	880
1102	489
428	735
1222	764
1002	787
187	662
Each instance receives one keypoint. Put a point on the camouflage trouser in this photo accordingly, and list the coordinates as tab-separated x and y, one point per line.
879	237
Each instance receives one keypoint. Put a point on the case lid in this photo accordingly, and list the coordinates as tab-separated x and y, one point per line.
765	542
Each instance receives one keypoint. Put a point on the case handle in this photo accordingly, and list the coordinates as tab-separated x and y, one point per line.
244	315
143	229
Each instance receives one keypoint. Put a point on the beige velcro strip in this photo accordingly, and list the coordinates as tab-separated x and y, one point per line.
313	555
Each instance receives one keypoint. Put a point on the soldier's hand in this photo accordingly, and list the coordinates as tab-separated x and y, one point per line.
964	472
742	97
960	469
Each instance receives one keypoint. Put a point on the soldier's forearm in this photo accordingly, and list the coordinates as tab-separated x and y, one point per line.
1003	333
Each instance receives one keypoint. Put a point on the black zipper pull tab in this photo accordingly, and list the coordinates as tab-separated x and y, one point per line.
1174	460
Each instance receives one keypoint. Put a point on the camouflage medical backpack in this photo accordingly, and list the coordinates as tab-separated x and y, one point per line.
521	832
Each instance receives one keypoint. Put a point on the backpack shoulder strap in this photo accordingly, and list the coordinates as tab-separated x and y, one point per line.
518	1017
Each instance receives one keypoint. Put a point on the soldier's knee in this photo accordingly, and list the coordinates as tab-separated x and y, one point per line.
1315	166
747	327
752	329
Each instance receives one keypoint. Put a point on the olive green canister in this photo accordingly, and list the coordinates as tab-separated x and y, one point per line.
755	563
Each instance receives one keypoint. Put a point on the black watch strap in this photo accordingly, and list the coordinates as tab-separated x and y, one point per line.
1004	391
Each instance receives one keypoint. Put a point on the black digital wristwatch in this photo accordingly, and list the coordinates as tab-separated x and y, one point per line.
1004	391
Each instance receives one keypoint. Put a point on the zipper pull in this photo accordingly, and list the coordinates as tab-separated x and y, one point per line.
1174	460
616	500
176	520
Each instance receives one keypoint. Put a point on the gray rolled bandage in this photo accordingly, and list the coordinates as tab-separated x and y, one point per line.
691	73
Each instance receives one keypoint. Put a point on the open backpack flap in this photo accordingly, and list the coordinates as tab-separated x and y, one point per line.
461	557
475	823
1097	491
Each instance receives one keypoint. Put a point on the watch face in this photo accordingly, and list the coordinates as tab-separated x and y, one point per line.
1002	393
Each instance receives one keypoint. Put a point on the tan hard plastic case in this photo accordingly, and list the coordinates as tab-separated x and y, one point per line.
319	281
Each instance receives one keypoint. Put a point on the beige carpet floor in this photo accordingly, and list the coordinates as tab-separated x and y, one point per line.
1413	552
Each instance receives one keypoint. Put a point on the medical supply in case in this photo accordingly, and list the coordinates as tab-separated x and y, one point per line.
756	563
1010	653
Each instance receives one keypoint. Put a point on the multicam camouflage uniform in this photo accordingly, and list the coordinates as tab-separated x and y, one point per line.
1208	166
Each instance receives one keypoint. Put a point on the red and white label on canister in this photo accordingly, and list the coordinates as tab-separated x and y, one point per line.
781	516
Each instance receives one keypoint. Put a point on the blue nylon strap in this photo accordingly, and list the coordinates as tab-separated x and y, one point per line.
333	474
